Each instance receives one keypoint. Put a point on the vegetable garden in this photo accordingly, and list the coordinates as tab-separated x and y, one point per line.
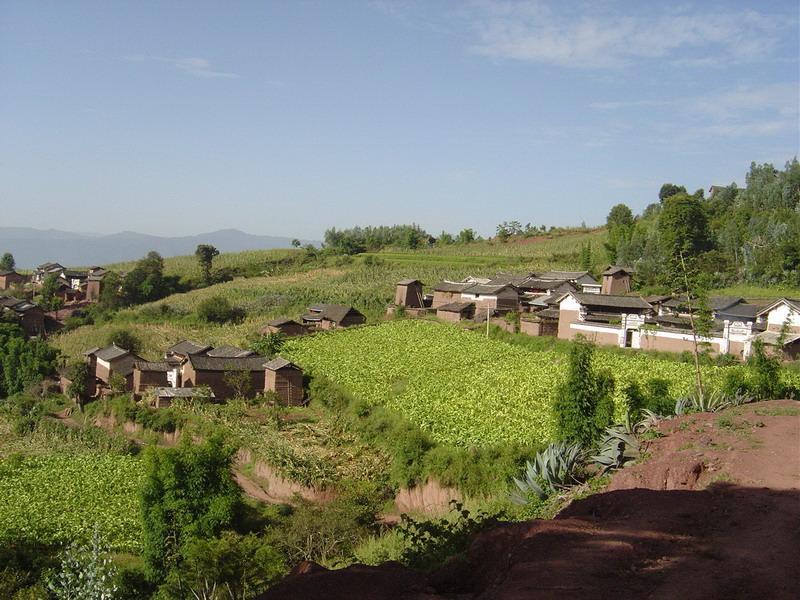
462	388
60	498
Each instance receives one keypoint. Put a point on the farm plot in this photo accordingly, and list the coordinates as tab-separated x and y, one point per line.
59	498
460	387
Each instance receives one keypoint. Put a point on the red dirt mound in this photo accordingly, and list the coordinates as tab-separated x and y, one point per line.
660	532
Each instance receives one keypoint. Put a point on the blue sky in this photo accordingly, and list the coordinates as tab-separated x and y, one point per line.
287	118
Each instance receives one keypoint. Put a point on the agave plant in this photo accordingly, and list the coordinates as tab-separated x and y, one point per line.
713	401
617	448
554	468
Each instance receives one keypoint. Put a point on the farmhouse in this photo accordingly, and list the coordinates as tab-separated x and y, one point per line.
109	361
288	327
581	279
162	397
543	322
332	316
285	379
227	377
408	293
29	315
447	292
9	279
616	280
500	298
186	348
595	316
43	270
454	312
147	375
781	315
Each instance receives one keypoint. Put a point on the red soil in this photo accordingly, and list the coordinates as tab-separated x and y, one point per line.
714	513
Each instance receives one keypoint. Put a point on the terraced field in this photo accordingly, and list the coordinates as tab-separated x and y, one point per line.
462	388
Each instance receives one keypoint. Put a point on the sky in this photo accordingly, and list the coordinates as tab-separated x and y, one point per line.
290	117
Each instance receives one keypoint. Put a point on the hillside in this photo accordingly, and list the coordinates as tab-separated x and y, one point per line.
711	513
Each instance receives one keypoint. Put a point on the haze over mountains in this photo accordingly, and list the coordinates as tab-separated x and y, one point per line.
32	247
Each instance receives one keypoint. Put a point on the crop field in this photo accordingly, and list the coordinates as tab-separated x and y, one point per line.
460	387
59	498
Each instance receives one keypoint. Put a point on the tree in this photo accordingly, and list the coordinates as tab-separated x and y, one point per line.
684	235
269	344
125	339
586	256
444	239
188	494
48	291
78	374
7	262
295	243
239	381
466	236
232	566
111	297
146	280
205	254
583	407
670	189
503	232
620	224
218	309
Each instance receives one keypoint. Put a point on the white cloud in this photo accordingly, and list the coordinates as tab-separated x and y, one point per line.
195	66
580	36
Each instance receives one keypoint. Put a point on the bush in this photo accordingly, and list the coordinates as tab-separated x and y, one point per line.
765	380
583	406
218	309
125	338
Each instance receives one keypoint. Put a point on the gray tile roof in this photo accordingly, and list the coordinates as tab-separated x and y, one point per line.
146	365
488	288
613	270
456	306
278	363
451	286
201	362
229	352
609	301
330	312
187	347
408	281
111	352
723	302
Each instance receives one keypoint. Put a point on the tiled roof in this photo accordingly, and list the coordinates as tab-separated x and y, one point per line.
488	288
111	352
408	281
331	312
187	347
278	363
202	362
451	286
456	306
229	352
792	303
609	301
160	367
613	270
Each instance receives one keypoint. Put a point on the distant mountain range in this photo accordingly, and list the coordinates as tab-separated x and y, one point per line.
32	247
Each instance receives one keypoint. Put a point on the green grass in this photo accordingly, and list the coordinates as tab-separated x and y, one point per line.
753	292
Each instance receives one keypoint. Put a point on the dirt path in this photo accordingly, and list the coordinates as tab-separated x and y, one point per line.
714	513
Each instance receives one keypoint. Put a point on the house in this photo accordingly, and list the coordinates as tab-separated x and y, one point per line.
616	281
783	315
228	352
581	279
162	397
93	287
447	292
543	322
287	327
606	319
716	189
9	279
408	293
29	315
112	360
487	297
184	349
456	311
227	377
43	270
286	380
74	279
148	374
332	316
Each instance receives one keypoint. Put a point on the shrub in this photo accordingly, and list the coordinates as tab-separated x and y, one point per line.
554	468
583	406
765	374
218	309
125	338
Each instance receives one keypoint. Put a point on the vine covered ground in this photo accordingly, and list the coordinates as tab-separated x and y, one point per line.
462	388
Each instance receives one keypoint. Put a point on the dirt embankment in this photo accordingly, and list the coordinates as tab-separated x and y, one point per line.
714	512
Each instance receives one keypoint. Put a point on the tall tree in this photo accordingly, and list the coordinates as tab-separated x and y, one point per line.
7	262
48	292
146	281
188	493
619	223
670	189
205	254
684	236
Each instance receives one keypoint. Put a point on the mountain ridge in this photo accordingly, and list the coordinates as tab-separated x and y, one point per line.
31	246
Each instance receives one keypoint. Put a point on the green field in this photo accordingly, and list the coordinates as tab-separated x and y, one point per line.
60	498
462	388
